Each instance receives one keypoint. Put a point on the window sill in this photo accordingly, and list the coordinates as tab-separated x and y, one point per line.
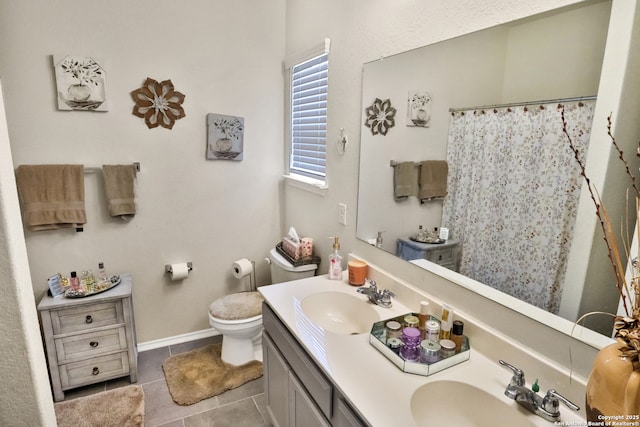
307	184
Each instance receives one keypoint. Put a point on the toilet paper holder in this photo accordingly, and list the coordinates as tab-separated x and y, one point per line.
169	269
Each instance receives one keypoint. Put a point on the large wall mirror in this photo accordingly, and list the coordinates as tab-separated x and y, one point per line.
556	55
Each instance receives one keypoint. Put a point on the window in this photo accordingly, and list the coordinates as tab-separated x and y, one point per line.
308	114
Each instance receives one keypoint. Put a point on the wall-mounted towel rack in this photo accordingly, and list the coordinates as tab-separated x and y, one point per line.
94	169
394	163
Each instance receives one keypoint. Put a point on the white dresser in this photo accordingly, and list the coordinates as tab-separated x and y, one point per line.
91	339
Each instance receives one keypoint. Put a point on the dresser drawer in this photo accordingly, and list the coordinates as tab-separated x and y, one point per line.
82	318
82	346
441	256
94	370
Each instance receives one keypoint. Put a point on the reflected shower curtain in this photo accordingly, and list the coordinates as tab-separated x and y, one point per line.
514	186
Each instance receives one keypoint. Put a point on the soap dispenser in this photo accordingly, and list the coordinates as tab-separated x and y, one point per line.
335	261
379	240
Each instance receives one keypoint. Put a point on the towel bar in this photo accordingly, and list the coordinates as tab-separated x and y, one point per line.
98	169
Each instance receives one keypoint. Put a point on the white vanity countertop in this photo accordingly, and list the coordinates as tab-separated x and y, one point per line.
376	388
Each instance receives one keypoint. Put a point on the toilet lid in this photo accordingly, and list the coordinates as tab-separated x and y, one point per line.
241	305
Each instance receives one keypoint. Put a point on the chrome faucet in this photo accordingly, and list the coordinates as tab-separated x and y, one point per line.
381	298
548	407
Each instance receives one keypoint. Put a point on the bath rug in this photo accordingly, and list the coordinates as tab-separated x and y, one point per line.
121	407
200	374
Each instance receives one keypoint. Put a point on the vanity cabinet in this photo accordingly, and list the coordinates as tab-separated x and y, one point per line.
89	340
297	392
445	254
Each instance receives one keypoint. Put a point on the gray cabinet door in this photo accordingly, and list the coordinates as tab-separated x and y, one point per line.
276	383
303	412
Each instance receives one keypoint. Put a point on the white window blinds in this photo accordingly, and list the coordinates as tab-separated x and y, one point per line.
309	82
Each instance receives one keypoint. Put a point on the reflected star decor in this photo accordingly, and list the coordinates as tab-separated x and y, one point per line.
158	104
380	116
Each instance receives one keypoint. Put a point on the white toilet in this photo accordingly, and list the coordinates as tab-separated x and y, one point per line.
238	317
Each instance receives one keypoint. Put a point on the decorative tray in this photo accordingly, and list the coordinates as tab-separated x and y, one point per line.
97	288
378	339
429	240
313	259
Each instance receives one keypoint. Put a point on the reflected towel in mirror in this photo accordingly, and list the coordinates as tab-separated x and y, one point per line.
433	179
405	180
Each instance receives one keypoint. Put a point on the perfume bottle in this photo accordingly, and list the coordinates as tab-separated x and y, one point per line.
102	273
335	261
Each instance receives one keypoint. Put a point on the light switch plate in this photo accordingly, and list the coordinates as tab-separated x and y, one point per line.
342	213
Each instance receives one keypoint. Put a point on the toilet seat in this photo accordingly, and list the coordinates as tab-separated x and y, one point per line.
237	308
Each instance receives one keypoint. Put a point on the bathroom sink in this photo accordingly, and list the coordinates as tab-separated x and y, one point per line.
463	405
339	313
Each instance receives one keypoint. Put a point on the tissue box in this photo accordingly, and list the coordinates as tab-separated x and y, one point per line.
307	247
292	248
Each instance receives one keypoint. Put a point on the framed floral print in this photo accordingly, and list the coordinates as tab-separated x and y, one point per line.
81	83
225	137
419	109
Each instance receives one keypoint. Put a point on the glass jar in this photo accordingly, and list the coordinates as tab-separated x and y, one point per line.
86	280
394	329
410	349
429	351
395	344
432	331
447	348
411	321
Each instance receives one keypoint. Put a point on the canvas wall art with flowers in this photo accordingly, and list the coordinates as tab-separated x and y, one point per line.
80	82
225	137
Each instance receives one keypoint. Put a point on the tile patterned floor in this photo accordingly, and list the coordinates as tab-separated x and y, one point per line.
240	407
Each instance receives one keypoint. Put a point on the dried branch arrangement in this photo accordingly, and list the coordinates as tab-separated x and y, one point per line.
627	327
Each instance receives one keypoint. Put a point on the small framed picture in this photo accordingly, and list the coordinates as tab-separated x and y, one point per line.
225	137
81	83
55	285
419	109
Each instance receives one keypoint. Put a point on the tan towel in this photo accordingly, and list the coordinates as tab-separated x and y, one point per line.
52	196
405	180
433	179
119	185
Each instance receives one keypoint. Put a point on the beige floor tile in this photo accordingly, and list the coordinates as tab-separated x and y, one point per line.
261	403
161	409
244	391
179	423
238	414
84	391
181	348
150	364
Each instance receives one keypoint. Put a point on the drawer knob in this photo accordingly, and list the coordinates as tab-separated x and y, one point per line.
93	344
439	257
88	319
95	371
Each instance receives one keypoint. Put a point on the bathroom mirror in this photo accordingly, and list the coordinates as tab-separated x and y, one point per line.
555	55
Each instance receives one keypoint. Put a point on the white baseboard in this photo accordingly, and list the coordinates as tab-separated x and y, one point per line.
178	339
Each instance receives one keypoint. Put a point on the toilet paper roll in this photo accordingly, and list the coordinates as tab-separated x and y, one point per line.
242	268
179	271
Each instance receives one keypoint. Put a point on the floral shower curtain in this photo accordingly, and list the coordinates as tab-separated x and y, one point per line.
513	195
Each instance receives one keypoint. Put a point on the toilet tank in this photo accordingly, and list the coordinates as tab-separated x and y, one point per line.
283	271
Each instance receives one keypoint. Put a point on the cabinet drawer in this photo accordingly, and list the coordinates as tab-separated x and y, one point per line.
91	344
86	317
94	370
314	381
440	256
